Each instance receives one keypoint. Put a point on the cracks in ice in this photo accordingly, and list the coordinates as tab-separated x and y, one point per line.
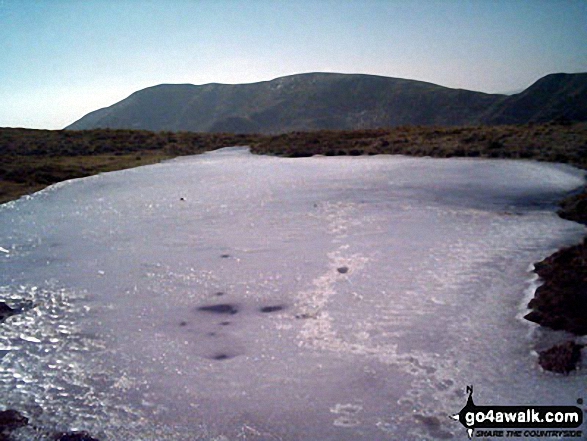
319	329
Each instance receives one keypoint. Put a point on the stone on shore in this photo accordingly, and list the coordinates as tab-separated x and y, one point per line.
74	436
562	358
561	302
5	311
11	420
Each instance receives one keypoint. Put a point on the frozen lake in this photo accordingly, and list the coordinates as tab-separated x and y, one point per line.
230	296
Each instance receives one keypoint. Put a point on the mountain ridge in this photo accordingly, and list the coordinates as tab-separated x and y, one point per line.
321	100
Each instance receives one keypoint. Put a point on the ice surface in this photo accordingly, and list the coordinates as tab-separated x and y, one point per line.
233	296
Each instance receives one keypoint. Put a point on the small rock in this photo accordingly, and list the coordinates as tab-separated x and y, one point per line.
343	269
5	311
11	419
74	436
562	358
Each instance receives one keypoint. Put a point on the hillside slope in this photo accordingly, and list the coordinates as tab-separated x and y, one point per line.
555	96
316	101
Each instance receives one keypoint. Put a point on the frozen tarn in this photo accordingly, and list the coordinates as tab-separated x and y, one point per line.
233	296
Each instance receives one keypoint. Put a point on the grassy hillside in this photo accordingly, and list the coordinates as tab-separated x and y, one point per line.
331	101
32	159
310	101
562	96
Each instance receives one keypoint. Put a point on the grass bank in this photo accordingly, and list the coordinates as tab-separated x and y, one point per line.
33	159
554	142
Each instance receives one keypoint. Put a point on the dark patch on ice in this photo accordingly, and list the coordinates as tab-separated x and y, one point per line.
183	323
224	323
225	256
182	199
433	426
430	422
222	356
459	392
444	385
272	308
343	269
222	308
219	293
211	334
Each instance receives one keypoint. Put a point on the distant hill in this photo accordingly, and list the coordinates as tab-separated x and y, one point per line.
315	101
556	96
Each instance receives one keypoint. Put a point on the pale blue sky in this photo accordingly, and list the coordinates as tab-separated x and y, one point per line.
61	59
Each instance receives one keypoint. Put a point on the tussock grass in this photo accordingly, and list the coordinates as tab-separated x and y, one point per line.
555	142
33	159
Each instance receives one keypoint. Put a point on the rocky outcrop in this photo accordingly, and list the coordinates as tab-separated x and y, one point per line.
5	311
11	420
574	207
561	302
562	358
74	436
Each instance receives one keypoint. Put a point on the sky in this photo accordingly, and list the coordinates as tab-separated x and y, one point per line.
61	59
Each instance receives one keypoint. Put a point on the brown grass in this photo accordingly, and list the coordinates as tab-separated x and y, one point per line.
33	159
545	142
